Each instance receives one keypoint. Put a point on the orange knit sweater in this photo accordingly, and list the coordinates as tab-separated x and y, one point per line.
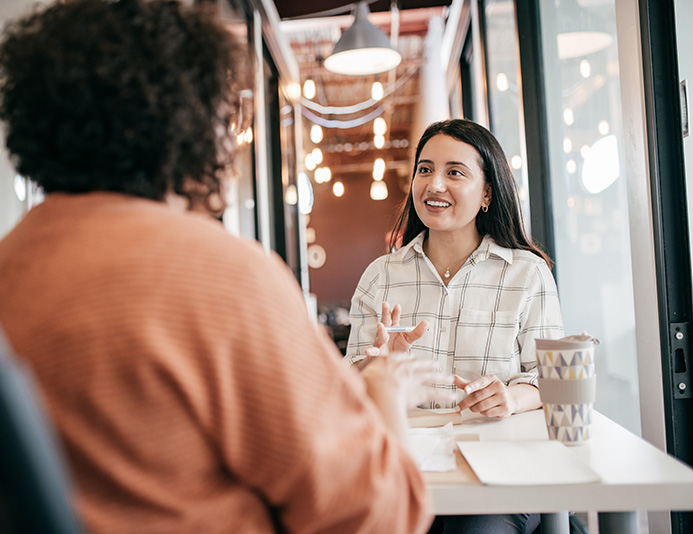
190	388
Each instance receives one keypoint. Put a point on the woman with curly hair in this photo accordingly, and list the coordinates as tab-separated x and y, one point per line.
146	323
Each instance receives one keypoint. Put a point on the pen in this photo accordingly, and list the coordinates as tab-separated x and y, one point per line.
391	329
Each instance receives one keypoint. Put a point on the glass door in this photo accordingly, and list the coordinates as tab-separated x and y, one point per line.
666	69
240	216
503	87
613	107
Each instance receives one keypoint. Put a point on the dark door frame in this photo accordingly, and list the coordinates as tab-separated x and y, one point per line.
535	116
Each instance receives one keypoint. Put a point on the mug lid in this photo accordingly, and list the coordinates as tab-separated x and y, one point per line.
581	341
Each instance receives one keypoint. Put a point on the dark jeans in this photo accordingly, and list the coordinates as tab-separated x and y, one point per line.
485	524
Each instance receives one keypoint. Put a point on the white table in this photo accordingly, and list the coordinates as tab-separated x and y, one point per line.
634	476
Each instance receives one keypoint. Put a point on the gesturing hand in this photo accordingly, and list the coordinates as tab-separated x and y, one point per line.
407	381
387	343
398	382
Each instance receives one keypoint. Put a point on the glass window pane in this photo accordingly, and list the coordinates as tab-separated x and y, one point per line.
240	216
588	182
289	190
505	106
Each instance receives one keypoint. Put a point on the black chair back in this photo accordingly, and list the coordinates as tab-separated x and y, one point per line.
34	486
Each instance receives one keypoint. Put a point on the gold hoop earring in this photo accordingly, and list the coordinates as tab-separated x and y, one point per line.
484	208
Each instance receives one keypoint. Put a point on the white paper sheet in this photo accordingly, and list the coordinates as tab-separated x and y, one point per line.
525	462
433	448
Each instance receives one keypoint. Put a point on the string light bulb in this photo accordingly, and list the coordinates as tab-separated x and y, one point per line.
379	126
309	89
317	155
379	190
309	162
378	169
294	91
291	195
316	133
377	91
323	175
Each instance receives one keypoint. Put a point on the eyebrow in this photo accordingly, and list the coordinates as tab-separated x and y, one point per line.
448	163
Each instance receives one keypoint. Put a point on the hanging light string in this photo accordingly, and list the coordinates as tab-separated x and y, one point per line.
355	108
343	125
341	10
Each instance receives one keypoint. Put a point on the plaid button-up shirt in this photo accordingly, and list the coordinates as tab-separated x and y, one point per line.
484	321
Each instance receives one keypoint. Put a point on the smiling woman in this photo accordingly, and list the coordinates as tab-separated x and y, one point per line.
477	290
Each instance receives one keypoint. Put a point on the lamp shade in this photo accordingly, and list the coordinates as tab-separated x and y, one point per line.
581	43
362	49
580	32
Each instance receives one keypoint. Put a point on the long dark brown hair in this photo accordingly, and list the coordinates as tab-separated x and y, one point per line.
503	220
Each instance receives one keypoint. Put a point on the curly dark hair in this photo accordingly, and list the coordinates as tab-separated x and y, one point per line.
503	221
132	96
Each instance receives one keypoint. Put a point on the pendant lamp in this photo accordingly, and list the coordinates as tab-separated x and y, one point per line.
580	33
362	49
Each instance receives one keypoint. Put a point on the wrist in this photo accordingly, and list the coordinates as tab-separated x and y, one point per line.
524	397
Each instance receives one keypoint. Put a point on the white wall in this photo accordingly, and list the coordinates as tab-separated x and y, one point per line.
11	209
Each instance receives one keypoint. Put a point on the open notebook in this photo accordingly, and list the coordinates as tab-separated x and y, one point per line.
525	462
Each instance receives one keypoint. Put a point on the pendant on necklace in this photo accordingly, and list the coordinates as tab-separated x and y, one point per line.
447	272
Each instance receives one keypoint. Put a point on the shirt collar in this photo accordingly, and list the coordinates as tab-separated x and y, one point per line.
487	248
415	244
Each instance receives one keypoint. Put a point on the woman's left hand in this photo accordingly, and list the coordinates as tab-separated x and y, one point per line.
487	395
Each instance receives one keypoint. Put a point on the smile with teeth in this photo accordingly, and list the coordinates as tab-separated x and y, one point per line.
437	203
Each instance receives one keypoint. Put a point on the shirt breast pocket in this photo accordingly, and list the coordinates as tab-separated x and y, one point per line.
488	339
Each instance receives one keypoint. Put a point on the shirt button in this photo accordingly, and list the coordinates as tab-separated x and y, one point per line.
440	369
444	329
437	405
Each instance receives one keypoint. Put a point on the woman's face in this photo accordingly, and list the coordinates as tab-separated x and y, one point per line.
449	187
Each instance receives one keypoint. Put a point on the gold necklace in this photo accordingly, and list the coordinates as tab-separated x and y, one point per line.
447	274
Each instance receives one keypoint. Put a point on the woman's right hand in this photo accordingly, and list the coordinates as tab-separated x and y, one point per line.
388	343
